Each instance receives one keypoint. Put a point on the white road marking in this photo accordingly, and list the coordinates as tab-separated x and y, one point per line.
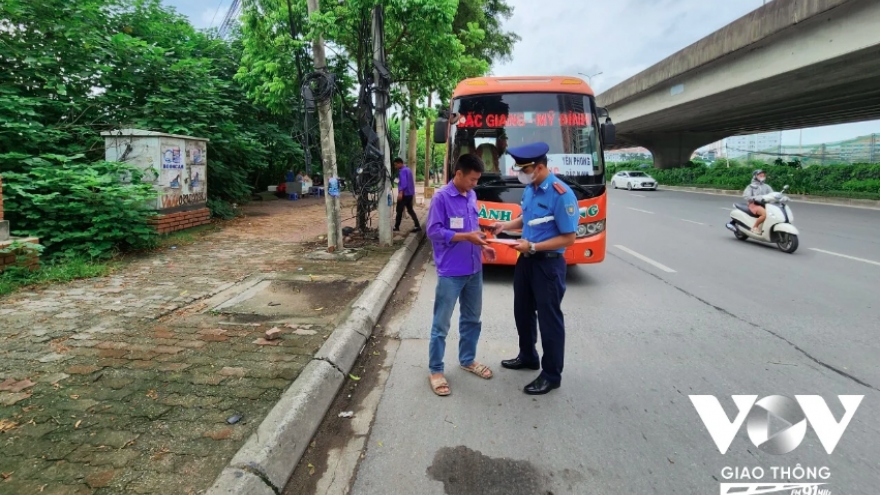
640	195
643	211
645	258
691	221
725	208
847	257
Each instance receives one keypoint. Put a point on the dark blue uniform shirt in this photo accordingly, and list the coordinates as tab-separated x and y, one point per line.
545	200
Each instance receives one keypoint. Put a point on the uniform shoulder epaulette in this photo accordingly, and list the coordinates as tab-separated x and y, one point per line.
559	187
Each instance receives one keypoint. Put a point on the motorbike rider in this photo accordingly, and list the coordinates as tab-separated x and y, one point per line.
754	194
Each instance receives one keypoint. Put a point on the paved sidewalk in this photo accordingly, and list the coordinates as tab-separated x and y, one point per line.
125	384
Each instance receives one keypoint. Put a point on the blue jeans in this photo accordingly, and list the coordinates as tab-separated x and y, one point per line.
468	290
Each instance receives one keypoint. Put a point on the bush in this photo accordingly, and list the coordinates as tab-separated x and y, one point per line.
864	186
221	209
87	210
856	181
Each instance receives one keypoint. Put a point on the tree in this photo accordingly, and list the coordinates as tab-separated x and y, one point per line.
496	44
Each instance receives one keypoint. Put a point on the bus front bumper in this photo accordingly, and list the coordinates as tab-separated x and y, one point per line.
584	251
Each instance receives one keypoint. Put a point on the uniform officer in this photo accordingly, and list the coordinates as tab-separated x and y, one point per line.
539	276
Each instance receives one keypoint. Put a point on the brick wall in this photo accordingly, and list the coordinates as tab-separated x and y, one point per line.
8	259
32	261
181	220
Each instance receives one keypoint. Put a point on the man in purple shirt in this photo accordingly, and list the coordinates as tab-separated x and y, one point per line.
459	245
406	192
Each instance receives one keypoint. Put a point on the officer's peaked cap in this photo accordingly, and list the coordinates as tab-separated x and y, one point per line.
528	154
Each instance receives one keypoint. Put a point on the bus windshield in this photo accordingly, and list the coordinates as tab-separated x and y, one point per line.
487	125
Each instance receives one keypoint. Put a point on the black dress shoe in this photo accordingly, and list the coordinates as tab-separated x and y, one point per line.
540	386
518	364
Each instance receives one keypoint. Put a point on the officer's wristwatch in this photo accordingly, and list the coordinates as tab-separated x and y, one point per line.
532	248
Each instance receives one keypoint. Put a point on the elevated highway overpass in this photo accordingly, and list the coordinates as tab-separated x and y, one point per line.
787	65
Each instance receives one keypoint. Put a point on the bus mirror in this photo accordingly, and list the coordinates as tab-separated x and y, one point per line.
440	131
608	132
602	111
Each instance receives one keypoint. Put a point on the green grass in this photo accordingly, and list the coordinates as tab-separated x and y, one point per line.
63	270
185	237
14	278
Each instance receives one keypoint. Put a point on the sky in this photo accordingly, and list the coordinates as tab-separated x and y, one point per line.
615	39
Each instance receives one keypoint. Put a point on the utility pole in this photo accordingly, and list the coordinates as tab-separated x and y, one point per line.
328	148
384	206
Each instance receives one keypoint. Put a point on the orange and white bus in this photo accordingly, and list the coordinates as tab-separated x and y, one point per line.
490	114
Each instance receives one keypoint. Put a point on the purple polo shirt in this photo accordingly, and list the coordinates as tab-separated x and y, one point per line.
451	213
406	184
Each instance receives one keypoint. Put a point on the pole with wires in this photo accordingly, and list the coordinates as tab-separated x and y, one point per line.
321	85
384	206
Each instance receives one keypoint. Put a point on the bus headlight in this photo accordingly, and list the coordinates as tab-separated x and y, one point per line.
592	228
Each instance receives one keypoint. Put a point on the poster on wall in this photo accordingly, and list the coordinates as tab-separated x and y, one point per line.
173	180
172	164
197	164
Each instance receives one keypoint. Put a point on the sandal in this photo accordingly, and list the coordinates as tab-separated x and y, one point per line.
437	384
481	370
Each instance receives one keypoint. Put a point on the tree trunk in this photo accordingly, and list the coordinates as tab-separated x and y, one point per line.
403	133
413	133
328	149
428	145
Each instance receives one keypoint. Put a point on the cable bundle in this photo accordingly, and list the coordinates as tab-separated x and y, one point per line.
318	87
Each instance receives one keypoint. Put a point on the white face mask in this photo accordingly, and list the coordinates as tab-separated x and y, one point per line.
526	178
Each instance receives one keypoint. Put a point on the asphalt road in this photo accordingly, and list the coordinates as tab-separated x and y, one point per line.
678	307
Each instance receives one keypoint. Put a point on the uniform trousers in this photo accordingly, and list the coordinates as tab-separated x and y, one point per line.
538	288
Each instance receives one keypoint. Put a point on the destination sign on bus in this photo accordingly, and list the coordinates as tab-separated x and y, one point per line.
524	119
561	164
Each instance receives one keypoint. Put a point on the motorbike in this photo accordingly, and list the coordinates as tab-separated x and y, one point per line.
777	228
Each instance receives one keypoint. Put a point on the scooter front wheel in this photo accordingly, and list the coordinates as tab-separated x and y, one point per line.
788	243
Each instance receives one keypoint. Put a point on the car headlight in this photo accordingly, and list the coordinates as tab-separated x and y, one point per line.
592	228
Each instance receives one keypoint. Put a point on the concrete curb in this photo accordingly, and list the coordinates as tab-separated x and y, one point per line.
266	461
800	198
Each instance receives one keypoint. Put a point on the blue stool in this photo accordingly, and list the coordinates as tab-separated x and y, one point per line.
293	196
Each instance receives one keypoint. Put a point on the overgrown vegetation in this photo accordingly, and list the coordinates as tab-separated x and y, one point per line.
74	69
78	209
860	181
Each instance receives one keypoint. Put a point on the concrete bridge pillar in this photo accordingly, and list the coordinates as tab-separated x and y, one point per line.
674	149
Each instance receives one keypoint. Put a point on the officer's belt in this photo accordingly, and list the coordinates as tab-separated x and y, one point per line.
543	255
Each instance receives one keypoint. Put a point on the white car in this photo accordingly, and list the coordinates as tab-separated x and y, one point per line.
633	180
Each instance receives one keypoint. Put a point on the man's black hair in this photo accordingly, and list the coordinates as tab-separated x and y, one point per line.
468	163
398	160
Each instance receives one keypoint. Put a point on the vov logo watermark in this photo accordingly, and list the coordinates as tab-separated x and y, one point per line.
804	410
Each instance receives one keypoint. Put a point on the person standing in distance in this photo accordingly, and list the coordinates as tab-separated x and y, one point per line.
406	192
539	276
459	245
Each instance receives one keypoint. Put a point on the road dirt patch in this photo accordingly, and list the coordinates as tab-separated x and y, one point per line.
280	298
